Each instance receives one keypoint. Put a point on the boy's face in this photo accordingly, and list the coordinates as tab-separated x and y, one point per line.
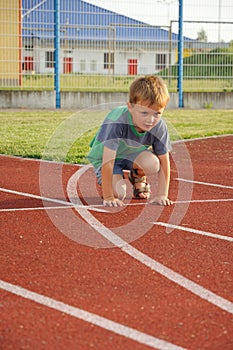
144	115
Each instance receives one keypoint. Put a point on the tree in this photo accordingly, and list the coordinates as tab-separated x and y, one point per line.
202	36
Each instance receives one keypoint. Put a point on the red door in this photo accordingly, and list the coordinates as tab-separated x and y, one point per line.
67	65
132	66
28	63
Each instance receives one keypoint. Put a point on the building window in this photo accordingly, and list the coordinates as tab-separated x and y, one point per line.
108	60
82	65
160	61
49	59
29	43
93	66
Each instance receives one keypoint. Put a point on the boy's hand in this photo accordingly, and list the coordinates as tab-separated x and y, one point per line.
113	202
161	200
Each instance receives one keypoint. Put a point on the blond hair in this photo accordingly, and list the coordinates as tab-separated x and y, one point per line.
149	88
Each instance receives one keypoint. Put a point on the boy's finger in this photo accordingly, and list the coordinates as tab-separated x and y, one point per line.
114	203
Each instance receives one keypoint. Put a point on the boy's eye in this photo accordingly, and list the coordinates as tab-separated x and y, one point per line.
155	114
146	112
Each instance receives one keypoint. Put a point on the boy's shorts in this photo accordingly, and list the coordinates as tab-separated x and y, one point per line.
119	166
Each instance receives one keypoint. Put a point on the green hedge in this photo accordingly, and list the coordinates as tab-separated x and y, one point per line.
216	63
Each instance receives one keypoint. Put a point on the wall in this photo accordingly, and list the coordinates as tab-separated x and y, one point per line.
27	99
214	100
77	100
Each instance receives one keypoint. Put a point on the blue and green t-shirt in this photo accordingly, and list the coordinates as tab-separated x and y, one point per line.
118	133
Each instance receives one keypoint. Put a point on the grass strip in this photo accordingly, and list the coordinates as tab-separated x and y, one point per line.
65	135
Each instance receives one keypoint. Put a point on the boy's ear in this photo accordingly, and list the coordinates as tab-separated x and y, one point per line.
129	105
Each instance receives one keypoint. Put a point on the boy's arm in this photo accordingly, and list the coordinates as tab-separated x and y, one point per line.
107	177
163	181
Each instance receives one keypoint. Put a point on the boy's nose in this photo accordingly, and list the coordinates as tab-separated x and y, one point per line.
151	117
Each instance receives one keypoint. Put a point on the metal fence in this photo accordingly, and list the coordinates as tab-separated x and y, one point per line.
102	45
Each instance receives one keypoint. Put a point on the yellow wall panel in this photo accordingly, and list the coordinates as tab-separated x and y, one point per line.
10	42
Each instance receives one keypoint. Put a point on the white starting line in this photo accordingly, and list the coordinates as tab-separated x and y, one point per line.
94	207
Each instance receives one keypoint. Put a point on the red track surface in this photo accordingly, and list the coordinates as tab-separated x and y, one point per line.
57	254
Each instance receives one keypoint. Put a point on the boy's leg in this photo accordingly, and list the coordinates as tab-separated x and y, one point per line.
119	186
146	164
118	182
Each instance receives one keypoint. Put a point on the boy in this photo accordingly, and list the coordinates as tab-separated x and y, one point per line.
124	141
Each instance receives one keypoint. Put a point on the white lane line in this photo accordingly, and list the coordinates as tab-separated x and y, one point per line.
25	194
171	275
204	183
36	208
90	317
198	232
53	200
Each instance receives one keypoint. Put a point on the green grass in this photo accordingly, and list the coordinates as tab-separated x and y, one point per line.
65	136
99	83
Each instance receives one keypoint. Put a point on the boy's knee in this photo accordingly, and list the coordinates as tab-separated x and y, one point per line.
149	162
153	166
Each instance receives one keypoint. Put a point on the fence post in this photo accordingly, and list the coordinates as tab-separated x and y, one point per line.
57	52
180	55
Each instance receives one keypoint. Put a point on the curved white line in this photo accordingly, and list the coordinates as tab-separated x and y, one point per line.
173	276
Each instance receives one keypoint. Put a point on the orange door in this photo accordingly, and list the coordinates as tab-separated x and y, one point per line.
132	66
28	63
67	65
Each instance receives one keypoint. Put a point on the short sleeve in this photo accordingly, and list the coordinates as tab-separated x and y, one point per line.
110	134
161	144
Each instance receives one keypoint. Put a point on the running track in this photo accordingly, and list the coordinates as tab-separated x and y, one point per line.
77	275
